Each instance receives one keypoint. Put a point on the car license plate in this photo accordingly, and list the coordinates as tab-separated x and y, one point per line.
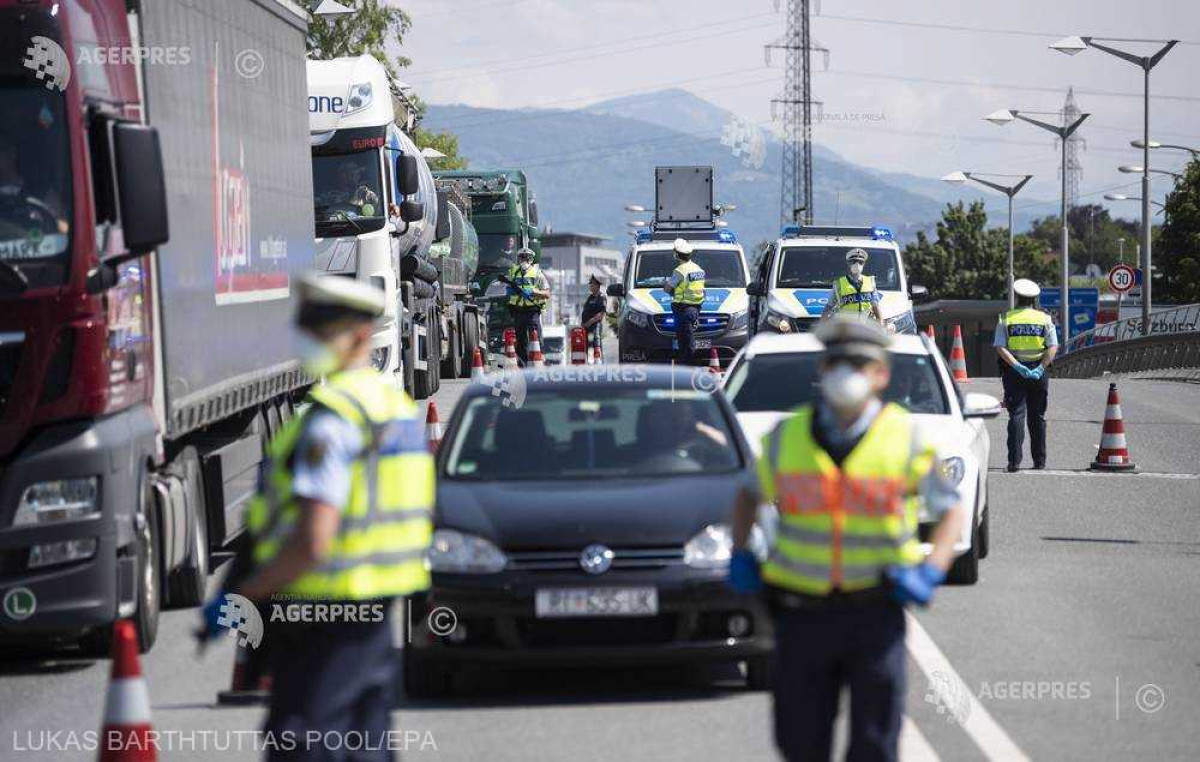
703	343
596	601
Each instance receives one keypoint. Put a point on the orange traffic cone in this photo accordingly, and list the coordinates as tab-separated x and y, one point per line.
929	331
958	358
477	370
510	348
251	682
536	360
126	734
1113	454
433	427
714	362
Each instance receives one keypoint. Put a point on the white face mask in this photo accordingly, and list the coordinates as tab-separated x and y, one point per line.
856	269
845	388
317	357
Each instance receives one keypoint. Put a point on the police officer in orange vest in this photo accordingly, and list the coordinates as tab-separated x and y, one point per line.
844	474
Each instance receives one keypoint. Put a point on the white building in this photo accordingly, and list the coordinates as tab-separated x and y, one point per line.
569	260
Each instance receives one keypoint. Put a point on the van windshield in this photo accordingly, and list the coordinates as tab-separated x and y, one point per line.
819	266
722	268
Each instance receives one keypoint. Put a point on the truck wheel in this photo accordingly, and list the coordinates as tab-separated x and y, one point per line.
186	585
423	380
469	344
149	573
434	360
452	364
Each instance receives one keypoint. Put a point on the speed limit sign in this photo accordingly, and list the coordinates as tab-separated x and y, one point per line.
1122	278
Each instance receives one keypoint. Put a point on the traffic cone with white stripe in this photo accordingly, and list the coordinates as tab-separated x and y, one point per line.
510	349
1113	454
126	735
958	358
536	360
714	361
433	427
477	370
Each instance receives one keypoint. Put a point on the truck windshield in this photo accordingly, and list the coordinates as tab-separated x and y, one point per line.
497	252
347	194
722	268
819	266
35	188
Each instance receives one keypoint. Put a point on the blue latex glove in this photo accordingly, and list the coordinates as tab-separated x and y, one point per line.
210	614
743	572
915	584
1037	373
1022	371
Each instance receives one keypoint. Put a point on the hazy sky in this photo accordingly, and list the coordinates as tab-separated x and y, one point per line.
879	112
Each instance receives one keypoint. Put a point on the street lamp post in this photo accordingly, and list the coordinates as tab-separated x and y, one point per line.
1073	45
1133	169
1009	190
1195	152
1063	131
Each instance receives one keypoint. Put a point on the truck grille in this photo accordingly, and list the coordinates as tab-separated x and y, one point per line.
10	360
629	558
711	323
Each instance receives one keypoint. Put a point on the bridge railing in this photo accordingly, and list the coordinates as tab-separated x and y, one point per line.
1183	319
1171	351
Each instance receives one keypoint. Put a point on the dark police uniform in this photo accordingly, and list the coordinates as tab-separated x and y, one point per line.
1027	333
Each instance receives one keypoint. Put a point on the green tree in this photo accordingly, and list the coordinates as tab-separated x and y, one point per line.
446	142
1177	246
970	261
1095	237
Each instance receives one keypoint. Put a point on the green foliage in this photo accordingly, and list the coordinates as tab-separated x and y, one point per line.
970	261
1177	248
368	31
446	142
1095	237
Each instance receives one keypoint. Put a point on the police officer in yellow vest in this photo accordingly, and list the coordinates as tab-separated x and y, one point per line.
843	473
854	292
686	287
1027	342
528	292
339	529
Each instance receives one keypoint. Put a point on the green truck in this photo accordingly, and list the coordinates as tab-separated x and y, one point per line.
504	213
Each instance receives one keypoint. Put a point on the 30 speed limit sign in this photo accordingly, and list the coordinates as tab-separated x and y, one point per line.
1122	278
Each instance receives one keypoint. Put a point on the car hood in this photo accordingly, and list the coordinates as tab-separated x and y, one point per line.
757	425
533	515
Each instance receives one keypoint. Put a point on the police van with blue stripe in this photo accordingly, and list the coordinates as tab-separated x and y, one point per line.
794	281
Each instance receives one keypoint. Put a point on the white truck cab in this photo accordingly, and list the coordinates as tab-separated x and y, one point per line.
794	281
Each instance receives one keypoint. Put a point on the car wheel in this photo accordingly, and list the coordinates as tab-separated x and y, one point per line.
759	672
965	570
984	534
423	679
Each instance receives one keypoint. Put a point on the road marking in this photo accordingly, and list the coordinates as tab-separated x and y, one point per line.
914	747
954	694
1086	472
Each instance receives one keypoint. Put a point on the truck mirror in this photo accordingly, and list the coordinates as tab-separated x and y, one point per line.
442	231
616	289
411	211
533	213
408	174
141	187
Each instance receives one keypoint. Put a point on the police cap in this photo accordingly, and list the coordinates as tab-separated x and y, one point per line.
856	255
850	336
681	246
326	299
1026	288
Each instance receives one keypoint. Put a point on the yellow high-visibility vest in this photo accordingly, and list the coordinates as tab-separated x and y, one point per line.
1026	329
529	278
851	299
386	525
691	284
841	527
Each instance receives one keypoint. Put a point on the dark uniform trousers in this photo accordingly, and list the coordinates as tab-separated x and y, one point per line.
1025	399
526	320
830	645
334	679
687	316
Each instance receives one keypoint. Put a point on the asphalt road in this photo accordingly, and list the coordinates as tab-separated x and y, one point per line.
1081	640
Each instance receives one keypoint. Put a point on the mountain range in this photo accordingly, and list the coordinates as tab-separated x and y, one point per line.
586	164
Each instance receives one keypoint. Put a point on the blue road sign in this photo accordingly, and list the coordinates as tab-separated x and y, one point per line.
1085	302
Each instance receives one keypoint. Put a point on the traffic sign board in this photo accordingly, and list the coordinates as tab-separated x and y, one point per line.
1085	302
1122	278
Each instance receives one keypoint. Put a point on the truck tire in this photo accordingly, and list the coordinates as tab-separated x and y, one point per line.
469	343
424	381
452	363
434	361
186	585
149	566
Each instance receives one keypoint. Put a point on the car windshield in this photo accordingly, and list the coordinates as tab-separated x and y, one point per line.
783	381
35	186
497	252
347	193
722	268
820	266
585	432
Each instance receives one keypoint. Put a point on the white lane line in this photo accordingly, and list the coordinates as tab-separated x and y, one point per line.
913	745
1114	474
956	697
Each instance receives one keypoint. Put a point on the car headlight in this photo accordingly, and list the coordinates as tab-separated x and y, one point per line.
461	553
953	470
739	320
903	323
713	545
637	317
379	358
57	501
781	323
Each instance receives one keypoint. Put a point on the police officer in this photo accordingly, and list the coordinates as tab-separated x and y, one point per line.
686	287
528	292
1027	342
845	557
854	292
595	307
343	517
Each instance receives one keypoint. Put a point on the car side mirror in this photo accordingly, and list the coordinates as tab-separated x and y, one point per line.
918	293
616	289
755	289
978	405
408	173
411	211
141	187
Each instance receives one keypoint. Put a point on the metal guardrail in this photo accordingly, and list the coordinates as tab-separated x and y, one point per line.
1174	356
1175	320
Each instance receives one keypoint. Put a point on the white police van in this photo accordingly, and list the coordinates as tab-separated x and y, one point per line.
792	285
